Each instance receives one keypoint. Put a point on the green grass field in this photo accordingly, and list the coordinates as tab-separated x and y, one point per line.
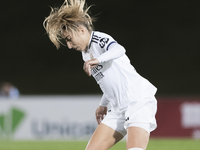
154	144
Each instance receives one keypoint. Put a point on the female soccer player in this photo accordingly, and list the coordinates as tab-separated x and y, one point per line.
130	96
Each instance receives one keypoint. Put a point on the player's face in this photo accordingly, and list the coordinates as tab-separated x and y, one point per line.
78	41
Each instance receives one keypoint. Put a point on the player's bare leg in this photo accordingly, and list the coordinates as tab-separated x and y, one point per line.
137	138
103	138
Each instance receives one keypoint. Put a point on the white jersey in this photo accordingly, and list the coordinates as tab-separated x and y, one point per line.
117	78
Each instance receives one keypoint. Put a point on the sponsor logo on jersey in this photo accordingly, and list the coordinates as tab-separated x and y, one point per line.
96	69
99	76
96	72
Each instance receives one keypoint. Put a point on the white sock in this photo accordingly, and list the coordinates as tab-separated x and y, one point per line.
135	149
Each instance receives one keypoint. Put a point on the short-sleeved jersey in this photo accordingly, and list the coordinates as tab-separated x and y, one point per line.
117	78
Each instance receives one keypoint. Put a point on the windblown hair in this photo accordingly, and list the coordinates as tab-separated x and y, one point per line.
68	17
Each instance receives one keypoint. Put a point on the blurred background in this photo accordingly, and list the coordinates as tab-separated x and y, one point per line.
161	39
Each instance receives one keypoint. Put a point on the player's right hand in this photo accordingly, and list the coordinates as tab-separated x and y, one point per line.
88	65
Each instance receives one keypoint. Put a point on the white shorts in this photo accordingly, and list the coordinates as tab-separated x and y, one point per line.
139	114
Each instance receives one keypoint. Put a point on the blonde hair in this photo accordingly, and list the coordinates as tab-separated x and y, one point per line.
68	17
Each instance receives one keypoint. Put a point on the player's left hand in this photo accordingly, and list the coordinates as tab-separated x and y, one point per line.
100	113
88	65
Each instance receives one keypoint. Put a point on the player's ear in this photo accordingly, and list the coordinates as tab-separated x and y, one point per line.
82	30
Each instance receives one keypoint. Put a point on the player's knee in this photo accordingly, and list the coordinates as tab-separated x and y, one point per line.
135	149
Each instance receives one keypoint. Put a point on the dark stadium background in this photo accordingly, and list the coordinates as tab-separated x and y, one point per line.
162	39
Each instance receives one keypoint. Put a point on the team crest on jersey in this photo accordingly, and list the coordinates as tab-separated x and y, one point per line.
91	56
103	41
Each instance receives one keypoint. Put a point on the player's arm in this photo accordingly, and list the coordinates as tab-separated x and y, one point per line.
114	51
102	109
